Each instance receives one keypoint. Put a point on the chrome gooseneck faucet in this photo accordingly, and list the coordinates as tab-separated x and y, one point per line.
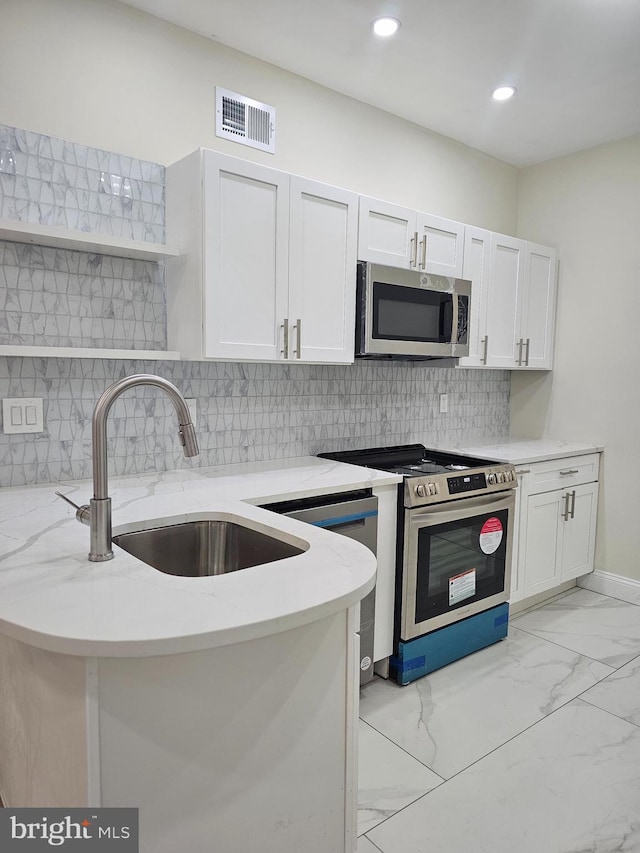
98	512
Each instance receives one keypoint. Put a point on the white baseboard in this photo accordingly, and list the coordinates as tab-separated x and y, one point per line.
615	586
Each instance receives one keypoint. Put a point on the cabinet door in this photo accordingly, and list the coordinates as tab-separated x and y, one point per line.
505	298
440	245
579	532
322	272
518	581
477	245
539	305
542	542
387	234
246	236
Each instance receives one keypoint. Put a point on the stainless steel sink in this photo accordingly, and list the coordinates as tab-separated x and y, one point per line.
201	548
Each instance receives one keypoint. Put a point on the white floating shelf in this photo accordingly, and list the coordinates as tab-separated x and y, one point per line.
88	352
83	241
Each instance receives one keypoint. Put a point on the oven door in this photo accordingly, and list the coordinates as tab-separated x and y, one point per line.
456	562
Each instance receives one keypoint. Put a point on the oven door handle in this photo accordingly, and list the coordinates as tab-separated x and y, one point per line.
466	508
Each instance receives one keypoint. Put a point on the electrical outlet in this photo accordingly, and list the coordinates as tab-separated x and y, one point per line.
444	404
22	414
192	405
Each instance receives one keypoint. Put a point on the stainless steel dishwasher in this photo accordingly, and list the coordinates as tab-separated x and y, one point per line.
352	514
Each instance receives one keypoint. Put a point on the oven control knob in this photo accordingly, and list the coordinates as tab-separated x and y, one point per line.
491	479
500	477
431	488
421	490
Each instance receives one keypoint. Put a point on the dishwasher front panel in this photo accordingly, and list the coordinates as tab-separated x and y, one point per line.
355	516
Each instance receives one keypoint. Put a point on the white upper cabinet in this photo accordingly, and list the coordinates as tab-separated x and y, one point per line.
477	247
506	273
401	237
440	245
322	265
245	253
521	299
269	264
537	322
386	233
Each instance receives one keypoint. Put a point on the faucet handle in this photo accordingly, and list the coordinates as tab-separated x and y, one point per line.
82	512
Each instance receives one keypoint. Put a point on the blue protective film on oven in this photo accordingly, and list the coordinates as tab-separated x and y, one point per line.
425	654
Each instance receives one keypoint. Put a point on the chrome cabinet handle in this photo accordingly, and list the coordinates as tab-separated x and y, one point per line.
285	327
519	359
298	327
526	358
573	504
565	513
485	343
414	250
569	471
423	243
524	471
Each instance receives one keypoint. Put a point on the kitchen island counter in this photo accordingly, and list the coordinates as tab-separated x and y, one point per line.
52	597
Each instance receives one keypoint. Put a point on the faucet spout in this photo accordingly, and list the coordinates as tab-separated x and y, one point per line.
100	512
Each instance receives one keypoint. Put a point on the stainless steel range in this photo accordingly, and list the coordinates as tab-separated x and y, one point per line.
455	523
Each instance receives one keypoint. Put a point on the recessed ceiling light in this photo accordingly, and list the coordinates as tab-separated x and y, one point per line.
385	26
503	93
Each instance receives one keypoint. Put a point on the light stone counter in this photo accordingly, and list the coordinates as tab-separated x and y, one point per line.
52	597
522	451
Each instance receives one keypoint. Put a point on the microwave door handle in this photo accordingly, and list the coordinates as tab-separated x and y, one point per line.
454	318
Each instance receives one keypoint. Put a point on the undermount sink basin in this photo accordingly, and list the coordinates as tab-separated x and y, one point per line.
201	548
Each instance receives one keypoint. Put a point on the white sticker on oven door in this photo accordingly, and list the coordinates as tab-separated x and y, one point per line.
491	535
462	586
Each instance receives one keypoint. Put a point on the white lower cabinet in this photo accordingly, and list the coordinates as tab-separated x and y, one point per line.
556	514
267	265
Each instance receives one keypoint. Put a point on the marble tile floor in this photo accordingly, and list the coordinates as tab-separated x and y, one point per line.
529	746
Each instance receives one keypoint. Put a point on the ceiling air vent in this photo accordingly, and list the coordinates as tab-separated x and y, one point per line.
245	121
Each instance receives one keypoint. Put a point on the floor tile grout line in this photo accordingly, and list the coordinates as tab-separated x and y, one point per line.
566	648
406	752
491	751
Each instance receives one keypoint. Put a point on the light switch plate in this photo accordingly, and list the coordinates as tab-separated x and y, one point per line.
22	414
444	404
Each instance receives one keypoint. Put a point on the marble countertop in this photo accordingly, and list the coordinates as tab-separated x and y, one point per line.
521	451
52	597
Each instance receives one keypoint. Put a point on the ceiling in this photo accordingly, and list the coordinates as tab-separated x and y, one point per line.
575	63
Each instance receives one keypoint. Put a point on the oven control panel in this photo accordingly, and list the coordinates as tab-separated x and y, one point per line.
466	483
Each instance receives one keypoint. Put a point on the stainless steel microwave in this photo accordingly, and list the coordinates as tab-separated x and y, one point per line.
409	314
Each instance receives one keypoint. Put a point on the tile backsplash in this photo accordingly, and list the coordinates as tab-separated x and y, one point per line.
52	181
53	297
246	412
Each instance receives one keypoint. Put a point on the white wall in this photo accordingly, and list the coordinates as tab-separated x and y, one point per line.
105	75
588	205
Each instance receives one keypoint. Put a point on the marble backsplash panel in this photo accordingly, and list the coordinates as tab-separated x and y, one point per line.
246	412
52	181
53	297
